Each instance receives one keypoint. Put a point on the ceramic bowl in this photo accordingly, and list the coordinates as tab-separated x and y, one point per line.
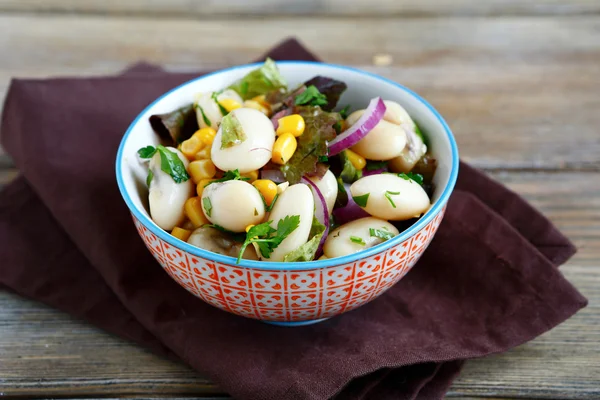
301	292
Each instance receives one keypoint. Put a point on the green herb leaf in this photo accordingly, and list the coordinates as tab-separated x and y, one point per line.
382	234
149	177
204	117
255	212
147	152
207	206
221	108
342	197
172	164
349	174
374	165
308	250
388	195
230	176
267	238
356	239
338	127
260	81
412	176
344	112
311	97
361	200
420	133
323	159
232	132
269	208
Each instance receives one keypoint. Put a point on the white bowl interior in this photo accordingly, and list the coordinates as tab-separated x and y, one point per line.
361	88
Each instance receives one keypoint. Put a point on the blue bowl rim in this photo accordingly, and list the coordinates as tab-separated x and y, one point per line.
293	266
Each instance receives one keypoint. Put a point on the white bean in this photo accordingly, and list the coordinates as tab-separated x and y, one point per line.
255	151
396	114
391	197
214	240
167	197
412	153
349	238
233	205
384	142
205	103
295	200
328	187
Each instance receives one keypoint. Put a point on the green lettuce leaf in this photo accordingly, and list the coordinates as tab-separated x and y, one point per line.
307	251
260	81
312	144
232	132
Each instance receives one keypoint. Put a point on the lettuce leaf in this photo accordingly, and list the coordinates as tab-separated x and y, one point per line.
312	144
177	125
260	81
331	88
308	250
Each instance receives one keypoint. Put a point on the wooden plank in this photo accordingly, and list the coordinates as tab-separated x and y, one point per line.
518	92
41	350
384	8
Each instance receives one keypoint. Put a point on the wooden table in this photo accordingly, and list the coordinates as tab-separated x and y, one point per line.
518	81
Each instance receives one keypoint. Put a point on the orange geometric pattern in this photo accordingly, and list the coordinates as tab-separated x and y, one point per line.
290	295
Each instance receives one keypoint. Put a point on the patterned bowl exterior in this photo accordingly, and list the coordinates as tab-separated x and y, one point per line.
290	296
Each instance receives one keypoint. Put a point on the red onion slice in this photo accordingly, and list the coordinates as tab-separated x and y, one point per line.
374	172
370	118
321	212
274	175
350	211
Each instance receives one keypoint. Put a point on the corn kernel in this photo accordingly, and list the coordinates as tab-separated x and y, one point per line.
191	146
267	188
203	154
180	233
262	100
193	210
249	227
357	160
252	176
293	124
284	148
257	106
201	185
230	104
206	135
201	169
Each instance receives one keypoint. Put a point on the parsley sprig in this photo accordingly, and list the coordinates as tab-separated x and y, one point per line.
412	176
312	97
268	238
230	176
169	162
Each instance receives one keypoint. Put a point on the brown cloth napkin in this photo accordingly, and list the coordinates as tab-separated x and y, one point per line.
488	281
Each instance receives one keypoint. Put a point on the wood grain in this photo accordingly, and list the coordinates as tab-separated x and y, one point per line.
42	350
381	8
518	92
